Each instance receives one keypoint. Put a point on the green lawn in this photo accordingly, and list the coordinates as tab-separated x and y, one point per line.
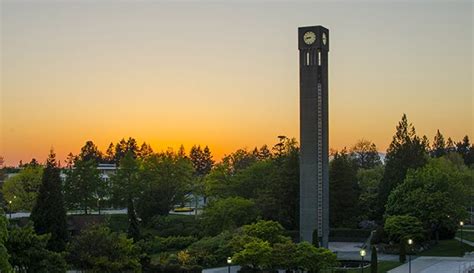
383	267
466	235
449	248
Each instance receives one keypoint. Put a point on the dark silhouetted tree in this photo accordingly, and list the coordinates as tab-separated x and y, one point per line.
439	146
365	154
90	152
49	214
463	149
110	154
450	147
374	261
144	151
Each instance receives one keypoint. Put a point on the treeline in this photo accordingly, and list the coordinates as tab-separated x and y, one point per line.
422	184
419	191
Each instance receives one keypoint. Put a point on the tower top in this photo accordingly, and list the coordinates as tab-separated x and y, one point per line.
313	37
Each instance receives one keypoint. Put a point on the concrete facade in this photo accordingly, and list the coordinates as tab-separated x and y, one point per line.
313	45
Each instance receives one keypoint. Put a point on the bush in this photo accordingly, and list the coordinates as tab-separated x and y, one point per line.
99	250
212	251
172	243
403	227
227	214
175	225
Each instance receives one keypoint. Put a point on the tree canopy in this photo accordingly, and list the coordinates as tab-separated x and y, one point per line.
22	189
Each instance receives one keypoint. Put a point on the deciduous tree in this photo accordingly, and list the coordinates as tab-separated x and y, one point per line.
437	194
22	189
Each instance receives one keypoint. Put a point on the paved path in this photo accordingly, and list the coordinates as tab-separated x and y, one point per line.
437	265
108	211
465	241
350	251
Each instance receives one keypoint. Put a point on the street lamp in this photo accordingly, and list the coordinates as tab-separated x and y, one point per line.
410	242
10	208
98	203
362	255
461	223
229	262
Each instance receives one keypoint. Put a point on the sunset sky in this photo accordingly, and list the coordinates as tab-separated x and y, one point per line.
225	74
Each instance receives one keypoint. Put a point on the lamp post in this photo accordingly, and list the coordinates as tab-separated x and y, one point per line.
229	262
10	208
410	242
461	223
98	203
362	255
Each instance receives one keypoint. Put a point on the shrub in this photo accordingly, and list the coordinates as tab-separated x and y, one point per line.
99	250
402	227
228	213
212	251
175	225
172	243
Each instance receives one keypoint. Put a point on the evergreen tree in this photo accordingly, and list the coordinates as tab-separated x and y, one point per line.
439	146
145	151
315	238
181	152
450	148
122	147
463	148
83	185
201	159
49	214
343	190
406	151
374	261
110	154
202	162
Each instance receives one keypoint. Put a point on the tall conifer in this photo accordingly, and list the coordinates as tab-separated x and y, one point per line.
49	214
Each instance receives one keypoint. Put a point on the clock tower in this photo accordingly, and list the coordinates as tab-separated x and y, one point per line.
313	45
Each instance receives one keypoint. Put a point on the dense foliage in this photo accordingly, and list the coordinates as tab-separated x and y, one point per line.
437	194
29	254
20	191
227	214
97	249
4	256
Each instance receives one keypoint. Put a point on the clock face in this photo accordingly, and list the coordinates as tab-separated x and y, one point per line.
309	37
325	39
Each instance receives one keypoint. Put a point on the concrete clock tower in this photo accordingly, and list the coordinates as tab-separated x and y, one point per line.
313	45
